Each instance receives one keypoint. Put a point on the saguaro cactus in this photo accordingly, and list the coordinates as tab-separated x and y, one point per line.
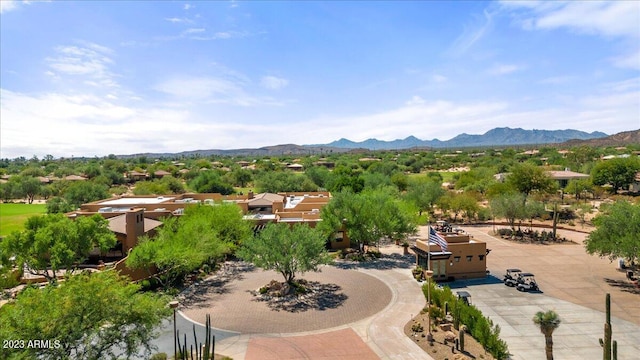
606	343
463	329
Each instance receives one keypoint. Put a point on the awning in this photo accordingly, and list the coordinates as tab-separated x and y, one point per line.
435	255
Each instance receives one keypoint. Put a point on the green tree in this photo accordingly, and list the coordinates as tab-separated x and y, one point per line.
577	187
30	187
283	181
368	216
82	192
424	193
90	316
242	177
202	236
287	250
8	190
509	206
527	178
55	242
465	203
346	178
210	182
57	205
616	233
618	172
548	322
320	175
400	180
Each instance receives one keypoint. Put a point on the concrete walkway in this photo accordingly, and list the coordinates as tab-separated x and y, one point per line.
381	335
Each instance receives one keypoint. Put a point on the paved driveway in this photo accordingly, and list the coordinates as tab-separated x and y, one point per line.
572	283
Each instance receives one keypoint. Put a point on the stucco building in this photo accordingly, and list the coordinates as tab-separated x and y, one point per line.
465	257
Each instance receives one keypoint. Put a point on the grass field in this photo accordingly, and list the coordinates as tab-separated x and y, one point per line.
12	216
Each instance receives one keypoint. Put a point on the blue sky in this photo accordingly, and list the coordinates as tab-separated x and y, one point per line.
94	78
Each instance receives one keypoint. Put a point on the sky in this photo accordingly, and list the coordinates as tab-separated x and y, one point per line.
94	78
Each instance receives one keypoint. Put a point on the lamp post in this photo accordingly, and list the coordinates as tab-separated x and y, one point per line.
173	305
429	274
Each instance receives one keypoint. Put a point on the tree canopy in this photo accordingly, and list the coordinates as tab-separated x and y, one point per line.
508	206
56	242
210	182
88	316
287	250
616	233
203	235
424	193
368	216
527	178
618	172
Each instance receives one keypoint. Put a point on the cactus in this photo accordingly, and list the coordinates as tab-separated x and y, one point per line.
461	337
198	350
615	350
446	308
606	343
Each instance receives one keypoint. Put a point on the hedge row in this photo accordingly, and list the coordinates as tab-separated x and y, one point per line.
480	327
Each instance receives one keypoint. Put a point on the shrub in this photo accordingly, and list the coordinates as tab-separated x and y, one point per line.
159	356
479	326
417	327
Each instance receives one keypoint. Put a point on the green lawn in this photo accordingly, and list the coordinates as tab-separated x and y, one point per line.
12	216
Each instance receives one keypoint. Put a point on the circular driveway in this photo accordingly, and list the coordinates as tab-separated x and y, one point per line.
345	296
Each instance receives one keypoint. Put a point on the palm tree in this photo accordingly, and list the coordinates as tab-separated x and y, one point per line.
548	322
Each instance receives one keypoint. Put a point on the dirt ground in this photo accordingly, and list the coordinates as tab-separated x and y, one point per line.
440	351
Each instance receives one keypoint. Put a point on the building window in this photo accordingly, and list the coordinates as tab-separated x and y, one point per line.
456	258
481	257
469	257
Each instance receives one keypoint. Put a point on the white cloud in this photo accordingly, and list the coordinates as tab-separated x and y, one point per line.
415	100
177	20
439	78
187	6
91	62
273	82
556	80
214	90
193	88
194	30
504	69
630	61
222	35
8	5
609	18
471	35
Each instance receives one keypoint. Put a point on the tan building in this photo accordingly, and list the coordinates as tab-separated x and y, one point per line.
465	257
260	209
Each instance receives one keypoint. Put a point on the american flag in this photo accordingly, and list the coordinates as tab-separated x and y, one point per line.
434	237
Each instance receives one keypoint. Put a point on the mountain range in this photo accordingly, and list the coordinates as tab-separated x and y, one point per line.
494	137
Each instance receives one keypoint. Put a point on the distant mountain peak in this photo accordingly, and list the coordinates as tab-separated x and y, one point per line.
499	136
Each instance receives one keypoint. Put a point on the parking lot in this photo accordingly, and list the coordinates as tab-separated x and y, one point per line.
572	283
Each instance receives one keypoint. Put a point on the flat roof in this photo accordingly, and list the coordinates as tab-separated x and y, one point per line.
137	200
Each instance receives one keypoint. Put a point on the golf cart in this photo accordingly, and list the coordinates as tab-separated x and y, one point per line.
527	282
465	297
511	277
